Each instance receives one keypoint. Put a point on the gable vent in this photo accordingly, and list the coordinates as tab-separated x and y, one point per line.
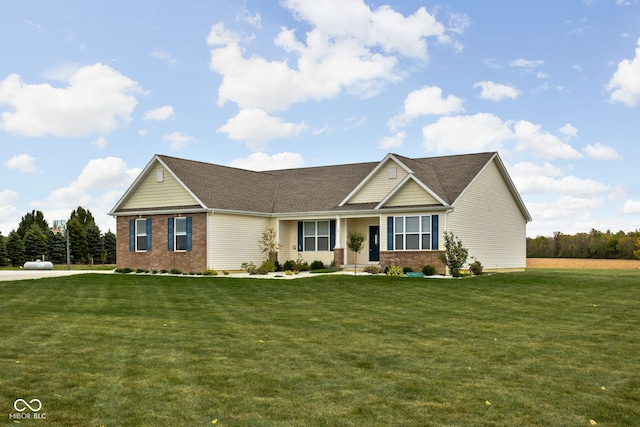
393	172
160	176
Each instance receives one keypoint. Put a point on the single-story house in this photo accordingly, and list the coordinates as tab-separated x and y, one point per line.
194	216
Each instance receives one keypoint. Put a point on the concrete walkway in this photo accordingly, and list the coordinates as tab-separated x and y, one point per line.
40	274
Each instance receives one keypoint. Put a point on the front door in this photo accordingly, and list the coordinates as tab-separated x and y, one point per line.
374	243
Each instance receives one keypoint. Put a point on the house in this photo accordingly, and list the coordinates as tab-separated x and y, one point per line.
194	216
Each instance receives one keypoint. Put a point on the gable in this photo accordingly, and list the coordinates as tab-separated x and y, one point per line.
157	188
376	187
411	194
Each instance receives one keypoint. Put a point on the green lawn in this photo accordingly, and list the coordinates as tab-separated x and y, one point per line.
541	348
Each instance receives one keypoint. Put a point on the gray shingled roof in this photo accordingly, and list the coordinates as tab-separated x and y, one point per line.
313	189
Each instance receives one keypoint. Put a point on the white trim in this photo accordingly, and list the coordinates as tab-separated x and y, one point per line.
372	174
401	184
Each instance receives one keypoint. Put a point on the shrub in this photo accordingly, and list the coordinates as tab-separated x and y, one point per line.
249	267
210	273
288	265
267	266
175	271
394	270
455	255
142	270
371	269
164	271
125	270
317	265
475	267
406	270
278	266
428	270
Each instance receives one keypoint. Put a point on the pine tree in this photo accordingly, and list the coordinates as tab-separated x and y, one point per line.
35	243
109	244
15	249
3	251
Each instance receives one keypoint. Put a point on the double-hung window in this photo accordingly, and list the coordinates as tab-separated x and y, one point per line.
180	234
412	232
316	235
140	235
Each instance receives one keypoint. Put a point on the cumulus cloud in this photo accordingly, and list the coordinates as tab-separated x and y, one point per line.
177	140
496	91
545	144
565	207
394	141
569	130
22	162
257	128
600	151
479	132
262	161
526	64
631	207
9	215
161	113
97	100
426	101
625	82
98	187
350	48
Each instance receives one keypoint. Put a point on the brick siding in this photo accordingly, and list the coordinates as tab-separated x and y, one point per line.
414	259
159	258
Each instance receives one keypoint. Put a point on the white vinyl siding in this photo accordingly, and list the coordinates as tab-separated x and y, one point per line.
379	185
233	240
153	194
489	223
411	194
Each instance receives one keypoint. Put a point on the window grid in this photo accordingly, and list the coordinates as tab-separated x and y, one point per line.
180	234
141	235
316	236
412	232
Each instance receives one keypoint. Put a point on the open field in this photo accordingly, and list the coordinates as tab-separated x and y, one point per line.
584	264
536	348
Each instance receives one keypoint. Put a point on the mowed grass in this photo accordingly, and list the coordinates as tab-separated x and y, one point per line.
541	348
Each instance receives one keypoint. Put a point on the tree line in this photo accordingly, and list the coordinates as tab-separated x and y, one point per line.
595	244
34	239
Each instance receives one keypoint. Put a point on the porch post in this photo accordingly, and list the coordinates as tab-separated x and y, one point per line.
338	250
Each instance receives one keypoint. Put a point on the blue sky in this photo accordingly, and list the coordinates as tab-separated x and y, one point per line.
90	91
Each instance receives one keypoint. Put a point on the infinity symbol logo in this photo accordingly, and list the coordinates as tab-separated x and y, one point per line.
21	405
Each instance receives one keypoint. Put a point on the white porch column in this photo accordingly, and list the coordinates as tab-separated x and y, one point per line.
338	238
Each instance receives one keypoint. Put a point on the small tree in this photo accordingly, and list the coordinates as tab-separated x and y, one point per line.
455	255
268	243
355	243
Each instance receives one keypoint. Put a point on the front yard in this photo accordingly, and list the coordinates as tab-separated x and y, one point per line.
537	348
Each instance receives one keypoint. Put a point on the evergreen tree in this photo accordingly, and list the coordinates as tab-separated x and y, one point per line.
15	249
109	244
78	242
58	248
84	217
94	243
32	218
35	243
3	251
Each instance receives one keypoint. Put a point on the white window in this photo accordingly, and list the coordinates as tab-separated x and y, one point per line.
412	232
180	233
316	235
141	235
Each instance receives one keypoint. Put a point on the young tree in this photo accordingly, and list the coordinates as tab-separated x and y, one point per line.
268	243
15	249
355	243
455	254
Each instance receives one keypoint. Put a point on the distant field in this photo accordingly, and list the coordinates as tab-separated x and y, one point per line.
584	264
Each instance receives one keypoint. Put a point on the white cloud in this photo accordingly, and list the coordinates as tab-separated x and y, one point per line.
161	113
601	152
252	19
526	64
565	207
257	128
22	162
101	142
166	57
625	82
177	140
426	101
97	100
569	130
393	141
98	187
496	91
262	161
479	132
544	144
631	207
9	215
539	184
349	48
